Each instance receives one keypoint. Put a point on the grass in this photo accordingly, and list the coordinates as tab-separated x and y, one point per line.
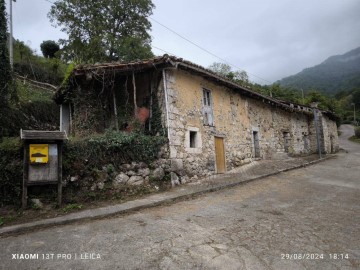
28	93
354	139
72	206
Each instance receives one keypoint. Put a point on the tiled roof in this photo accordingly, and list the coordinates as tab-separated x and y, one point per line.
175	62
43	135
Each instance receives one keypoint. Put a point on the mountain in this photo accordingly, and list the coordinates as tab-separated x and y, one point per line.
335	74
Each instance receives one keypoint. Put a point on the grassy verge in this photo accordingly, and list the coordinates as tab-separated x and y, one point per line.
354	139
11	215
29	93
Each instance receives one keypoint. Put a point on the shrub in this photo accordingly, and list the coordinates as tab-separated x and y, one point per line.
80	157
357	132
11	171
83	156
72	206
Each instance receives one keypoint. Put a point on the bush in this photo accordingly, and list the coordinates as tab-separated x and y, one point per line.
30	115
11	171
357	132
83	156
35	110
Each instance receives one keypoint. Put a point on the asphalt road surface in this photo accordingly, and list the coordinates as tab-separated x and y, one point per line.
303	219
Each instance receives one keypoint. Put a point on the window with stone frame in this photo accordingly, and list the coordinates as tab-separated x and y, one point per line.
207	108
193	142
193	139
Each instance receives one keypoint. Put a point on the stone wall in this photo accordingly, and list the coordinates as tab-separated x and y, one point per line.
131	174
275	126
330	136
236	119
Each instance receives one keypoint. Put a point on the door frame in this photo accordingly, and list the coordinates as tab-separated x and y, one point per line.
286	141
253	131
223	140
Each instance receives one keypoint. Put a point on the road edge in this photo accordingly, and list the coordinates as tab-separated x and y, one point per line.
129	207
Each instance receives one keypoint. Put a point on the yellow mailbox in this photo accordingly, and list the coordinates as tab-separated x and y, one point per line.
39	153
42	160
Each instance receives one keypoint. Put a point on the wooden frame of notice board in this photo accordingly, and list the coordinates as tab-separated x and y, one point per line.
42	160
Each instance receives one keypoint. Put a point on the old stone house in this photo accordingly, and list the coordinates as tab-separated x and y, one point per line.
212	124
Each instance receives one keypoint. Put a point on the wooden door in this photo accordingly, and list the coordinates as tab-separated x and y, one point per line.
220	155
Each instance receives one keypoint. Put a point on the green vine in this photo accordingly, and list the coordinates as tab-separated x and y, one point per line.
65	94
155	120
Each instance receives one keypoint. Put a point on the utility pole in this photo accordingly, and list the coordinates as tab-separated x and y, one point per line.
317	130
11	37
354	113
302	95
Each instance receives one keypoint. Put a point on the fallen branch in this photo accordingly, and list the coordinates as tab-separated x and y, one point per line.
42	85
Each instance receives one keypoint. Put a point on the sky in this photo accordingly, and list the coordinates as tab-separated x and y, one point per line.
268	39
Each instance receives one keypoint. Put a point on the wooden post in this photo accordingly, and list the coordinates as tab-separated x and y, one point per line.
115	111
59	147
25	175
152	87
70	126
134	85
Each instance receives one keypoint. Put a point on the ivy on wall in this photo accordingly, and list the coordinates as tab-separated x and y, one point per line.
155	120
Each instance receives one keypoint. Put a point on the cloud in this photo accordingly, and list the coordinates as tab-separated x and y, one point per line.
270	39
31	25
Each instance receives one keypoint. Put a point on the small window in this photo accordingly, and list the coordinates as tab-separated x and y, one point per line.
306	142
286	141
193	135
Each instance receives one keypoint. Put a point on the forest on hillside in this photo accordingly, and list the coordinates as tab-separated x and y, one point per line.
336	74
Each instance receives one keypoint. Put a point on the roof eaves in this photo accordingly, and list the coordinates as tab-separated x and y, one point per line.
229	83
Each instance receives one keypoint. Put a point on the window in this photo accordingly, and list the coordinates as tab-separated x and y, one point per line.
306	143
193	135
207	108
206	94
193	142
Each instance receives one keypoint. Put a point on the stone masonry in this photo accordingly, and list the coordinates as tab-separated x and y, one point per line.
239	120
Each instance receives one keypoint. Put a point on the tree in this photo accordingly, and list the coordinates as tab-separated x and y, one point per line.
220	68
104	30
225	70
356	96
315	96
7	88
22	51
284	93
49	48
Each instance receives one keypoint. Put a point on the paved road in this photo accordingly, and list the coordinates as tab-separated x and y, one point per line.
267	224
